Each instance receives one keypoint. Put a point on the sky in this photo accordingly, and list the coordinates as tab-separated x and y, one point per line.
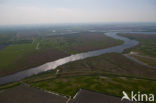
76	11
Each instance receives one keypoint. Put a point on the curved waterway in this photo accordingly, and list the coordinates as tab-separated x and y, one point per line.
52	65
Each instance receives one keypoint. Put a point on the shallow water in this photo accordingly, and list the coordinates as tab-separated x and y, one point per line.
153	33
54	64
2	46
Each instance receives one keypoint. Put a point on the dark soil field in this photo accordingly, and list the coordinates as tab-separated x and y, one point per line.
85	96
25	94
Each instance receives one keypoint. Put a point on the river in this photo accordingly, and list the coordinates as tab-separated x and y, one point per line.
54	64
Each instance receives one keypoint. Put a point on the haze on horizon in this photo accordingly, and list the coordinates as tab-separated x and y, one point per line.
76	11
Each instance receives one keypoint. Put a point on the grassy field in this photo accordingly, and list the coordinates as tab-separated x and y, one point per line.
146	49
10	56
10	85
22	54
111	85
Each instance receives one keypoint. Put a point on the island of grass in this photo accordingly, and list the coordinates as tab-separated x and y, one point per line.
20	55
146	50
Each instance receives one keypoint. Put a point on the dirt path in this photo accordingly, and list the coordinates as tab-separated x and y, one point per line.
37	46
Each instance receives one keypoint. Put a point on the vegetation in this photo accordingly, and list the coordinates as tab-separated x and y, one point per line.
10	56
145	52
6	37
105	84
6	86
147	43
147	60
79	42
